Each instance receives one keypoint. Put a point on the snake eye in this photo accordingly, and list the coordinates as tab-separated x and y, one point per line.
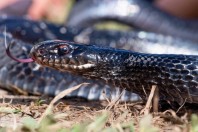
63	49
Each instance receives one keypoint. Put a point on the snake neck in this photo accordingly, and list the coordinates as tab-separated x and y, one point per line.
138	72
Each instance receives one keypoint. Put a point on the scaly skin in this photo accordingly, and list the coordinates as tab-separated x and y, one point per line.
175	75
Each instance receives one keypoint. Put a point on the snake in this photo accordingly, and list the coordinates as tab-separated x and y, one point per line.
30	78
175	75
140	14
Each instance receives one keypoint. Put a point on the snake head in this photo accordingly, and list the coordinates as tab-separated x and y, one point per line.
64	56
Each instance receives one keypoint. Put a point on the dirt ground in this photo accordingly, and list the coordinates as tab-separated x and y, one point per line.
69	112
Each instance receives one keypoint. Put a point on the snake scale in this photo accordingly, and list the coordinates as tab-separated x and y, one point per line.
32	79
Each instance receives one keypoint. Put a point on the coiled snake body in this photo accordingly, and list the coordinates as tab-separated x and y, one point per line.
136	13
30	78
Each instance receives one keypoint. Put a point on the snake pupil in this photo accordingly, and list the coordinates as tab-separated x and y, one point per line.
63	50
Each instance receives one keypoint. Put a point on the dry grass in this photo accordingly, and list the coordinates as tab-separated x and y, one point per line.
34	114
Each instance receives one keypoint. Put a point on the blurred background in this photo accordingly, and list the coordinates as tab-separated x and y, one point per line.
51	10
57	10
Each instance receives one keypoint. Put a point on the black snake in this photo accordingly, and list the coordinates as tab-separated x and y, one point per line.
175	75
30	78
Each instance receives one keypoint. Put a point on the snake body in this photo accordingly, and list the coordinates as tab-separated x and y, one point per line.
136	13
33	31
175	75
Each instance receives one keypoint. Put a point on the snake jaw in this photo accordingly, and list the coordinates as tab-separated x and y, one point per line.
74	67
